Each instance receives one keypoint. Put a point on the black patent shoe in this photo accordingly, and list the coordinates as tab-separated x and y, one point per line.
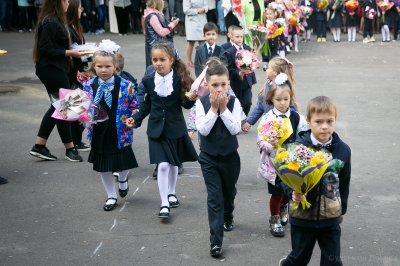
123	193
216	250
109	207
164	214
173	204
228	225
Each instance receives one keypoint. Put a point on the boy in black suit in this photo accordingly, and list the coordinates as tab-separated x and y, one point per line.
241	83
209	48
229	44
218	120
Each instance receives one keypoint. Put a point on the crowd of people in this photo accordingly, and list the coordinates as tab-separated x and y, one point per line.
222	111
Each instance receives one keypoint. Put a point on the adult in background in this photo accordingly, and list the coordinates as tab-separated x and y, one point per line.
230	18
195	19
221	20
253	13
122	14
6	15
101	16
26	10
51	54
212	11
136	16
76	34
181	16
158	28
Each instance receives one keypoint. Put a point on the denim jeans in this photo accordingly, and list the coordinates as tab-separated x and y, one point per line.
101	16
172	8
5	14
221	19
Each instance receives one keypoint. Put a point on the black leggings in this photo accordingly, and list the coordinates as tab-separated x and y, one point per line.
122	19
367	27
53	79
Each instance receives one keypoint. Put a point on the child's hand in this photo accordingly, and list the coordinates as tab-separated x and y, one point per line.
176	21
255	50
341	219
84	14
333	7
352	13
214	102
297	197
246	127
192	135
223	100
241	74
383	12
94	13
291	45
130	123
193	97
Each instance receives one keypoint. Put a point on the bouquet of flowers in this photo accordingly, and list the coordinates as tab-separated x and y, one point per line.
246	61
82	77
370	12
294	19
351	6
276	131
258	34
237	7
300	168
307	12
337	3
384	6
322	4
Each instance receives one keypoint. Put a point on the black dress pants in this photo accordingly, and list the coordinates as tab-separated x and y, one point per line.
230	20
244	97
54	79
122	15
303	242
220	176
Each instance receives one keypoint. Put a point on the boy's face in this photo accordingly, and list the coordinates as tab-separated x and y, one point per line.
322	125
237	37
211	36
219	84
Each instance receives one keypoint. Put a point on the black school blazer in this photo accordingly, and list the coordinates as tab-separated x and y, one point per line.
53	40
236	83
166	115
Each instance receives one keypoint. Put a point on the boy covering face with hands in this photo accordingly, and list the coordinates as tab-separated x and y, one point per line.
218	120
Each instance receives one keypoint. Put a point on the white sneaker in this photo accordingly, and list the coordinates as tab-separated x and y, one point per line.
372	39
120	34
366	40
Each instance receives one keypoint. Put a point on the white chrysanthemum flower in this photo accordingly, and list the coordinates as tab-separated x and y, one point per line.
247	60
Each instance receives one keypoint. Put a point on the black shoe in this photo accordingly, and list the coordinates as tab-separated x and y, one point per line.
265	68
3	181
228	225
72	155
216	250
164	214
155	172
82	147
123	193
173	204
42	153
109	207
180	169
281	262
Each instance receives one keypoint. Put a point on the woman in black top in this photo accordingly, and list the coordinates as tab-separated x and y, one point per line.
51	54
75	29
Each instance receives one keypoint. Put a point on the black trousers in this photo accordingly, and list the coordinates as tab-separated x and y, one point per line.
244	97
321	28
212	16
88	22
122	19
53	79
220	176
230	20
368	27
303	242
396	28
32	17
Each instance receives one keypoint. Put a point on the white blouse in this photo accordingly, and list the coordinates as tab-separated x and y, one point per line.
163	85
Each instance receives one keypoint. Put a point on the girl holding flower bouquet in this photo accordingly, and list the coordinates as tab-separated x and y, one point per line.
272	131
335	20
293	25
111	140
351	24
386	18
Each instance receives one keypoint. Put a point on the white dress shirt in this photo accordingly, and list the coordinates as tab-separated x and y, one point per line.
238	47
163	85
205	122
315	142
208	48
278	113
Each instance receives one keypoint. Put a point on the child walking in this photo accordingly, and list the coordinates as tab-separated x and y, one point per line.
218	121
169	143
335	20
294	30
111	140
308	20
321	222
281	95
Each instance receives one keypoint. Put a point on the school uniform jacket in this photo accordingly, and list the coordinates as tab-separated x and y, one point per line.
202	55
227	45
166	115
127	106
236	83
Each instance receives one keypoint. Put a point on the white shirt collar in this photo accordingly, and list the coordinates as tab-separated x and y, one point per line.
232	43
237	47
315	142
110	80
278	113
163	85
208	47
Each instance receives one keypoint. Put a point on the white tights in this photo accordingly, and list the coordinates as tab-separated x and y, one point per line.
166	178
336	34
385	33
308	34
281	53
109	183
351	31
295	41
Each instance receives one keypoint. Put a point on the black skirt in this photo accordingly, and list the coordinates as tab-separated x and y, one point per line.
173	151
309	24
351	22
116	162
278	188
336	22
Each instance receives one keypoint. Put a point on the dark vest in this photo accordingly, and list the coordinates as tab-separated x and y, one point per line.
152	37
220	141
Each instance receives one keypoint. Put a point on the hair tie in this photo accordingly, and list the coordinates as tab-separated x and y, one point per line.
281	79
290	64
108	46
176	54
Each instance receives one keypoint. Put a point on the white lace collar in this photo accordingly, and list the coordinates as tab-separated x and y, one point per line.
163	85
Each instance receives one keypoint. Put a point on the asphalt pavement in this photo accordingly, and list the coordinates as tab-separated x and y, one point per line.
52	212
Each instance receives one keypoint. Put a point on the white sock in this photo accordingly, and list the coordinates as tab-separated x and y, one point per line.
172	177
386	27
334	34
122	177
383	33
162	180
296	42
308	34
109	184
338	31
